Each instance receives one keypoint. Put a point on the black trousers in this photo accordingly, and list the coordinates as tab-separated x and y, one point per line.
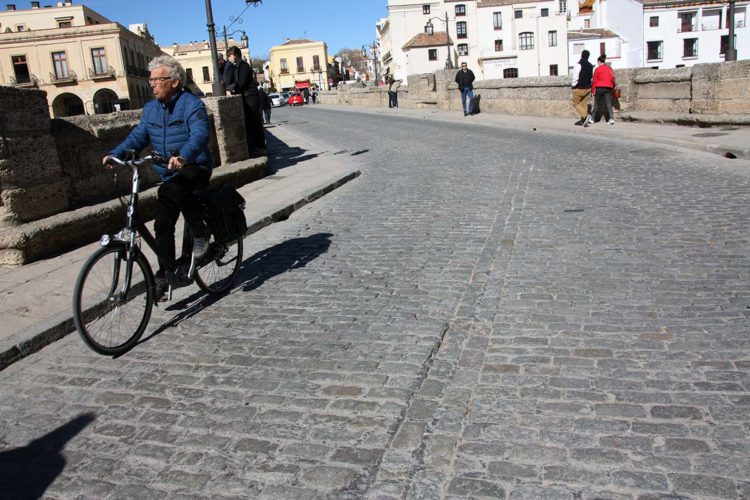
256	136
175	196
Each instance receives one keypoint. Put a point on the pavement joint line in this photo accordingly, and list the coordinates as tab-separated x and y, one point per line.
30	340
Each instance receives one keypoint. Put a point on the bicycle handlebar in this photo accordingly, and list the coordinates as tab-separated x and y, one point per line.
155	158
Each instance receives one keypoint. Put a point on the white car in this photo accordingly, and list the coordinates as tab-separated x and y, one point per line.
276	100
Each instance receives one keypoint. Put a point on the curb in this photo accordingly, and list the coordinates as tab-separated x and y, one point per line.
31	340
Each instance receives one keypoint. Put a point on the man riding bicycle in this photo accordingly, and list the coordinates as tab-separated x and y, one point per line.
176	125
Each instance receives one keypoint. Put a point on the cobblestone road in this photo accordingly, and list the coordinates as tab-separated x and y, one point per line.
483	313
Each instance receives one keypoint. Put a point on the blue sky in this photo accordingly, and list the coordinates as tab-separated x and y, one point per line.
339	23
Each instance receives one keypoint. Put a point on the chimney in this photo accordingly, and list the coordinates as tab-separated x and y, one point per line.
34	5
11	6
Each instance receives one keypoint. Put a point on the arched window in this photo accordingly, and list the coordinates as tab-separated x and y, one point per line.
526	40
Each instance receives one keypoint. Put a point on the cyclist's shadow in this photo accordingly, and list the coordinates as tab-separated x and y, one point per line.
255	270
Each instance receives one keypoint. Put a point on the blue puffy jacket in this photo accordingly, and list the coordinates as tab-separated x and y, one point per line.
180	124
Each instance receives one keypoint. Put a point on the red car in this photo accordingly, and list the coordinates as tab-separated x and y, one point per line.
296	100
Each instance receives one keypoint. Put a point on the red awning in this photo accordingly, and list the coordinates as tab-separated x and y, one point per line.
302	85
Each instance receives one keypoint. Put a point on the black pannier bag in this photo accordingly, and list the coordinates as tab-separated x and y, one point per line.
224	213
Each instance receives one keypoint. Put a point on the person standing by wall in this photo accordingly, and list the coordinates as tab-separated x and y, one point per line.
465	81
603	84
265	98
393	86
244	84
582	78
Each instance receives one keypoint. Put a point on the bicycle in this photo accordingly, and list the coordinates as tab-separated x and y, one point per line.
116	289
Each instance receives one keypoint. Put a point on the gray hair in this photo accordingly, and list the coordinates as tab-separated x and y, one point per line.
174	68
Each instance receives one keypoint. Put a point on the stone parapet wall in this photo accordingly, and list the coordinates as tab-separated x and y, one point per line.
720	88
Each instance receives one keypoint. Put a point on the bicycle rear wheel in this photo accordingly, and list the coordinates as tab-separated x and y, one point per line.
109	320
219	274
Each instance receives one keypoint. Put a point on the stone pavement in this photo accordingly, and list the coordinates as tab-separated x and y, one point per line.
732	141
36	298
484	313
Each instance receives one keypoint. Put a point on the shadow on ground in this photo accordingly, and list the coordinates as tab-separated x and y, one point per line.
27	472
255	270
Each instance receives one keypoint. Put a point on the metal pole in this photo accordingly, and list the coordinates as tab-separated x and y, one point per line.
217	87
448	62
375	63
731	54
226	42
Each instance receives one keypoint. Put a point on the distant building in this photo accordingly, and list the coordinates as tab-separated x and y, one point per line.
195	57
689	32
86	63
299	64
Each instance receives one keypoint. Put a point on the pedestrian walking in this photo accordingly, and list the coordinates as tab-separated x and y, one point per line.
244	84
583	73
267	104
314	95
603	84
465	81
393	86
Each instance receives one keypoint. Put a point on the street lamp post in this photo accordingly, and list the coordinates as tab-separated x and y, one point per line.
429	29
731	54
217	86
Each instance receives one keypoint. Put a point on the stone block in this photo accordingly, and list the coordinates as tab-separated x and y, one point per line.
34	202
31	160
229	122
24	112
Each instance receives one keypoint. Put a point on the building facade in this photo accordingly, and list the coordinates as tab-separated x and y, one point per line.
688	32
195	57
496	38
86	63
299	64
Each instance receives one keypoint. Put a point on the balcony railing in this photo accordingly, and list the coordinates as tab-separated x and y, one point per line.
285	71
300	69
108	73
32	81
70	77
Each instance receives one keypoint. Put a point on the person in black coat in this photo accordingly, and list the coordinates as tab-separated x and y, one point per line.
465	81
243	83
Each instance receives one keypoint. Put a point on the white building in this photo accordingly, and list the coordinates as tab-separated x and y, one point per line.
688	32
613	28
520	38
496	38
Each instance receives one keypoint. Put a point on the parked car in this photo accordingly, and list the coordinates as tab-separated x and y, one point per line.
284	98
276	100
296	100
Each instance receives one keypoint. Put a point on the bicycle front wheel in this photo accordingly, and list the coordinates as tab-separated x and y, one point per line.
219	274
109	318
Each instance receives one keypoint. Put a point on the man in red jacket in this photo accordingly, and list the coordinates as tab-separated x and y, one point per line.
602	87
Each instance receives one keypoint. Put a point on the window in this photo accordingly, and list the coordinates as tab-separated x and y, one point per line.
284	67
498	45
545	12
602	49
587	23
690	47
552	38
711	20
425	9
687	21
563	6
100	61
316	63
654	50
578	49
653	21
526	41
65	23
463	49
510	73
189	74
518	14
432	54
60	63
300	65
460	10
20	27
497	20
461	29
553	70
21	69
725	44
206	75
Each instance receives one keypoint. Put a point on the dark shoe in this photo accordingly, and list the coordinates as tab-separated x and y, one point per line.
465	113
200	247
587	121
579	123
160	290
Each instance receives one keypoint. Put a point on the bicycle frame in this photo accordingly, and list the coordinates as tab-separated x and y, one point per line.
134	226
